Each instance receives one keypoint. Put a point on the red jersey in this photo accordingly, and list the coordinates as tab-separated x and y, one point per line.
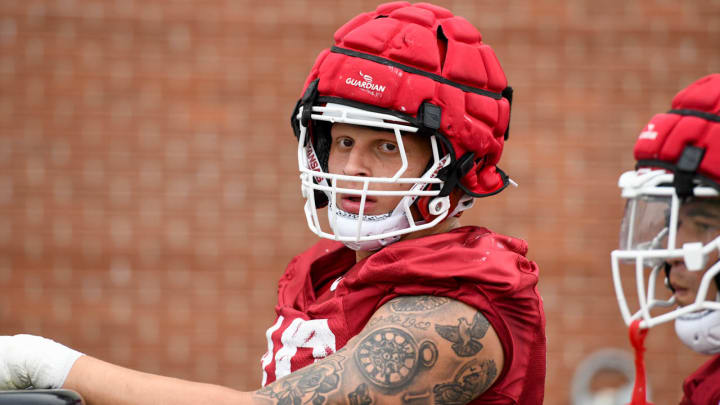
703	386
473	265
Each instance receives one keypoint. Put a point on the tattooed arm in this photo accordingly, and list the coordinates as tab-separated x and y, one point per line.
414	350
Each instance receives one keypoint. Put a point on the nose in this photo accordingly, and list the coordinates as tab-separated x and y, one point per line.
675	271
357	163
675	262
673	267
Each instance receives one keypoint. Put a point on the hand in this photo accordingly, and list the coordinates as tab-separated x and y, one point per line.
28	361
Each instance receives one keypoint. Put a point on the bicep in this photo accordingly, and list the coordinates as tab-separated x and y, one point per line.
413	348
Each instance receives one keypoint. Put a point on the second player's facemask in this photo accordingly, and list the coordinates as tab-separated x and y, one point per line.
649	242
359	230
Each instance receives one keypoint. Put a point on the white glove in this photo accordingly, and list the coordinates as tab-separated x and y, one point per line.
28	361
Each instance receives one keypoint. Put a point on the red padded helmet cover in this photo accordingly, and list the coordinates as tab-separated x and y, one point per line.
666	135
408	35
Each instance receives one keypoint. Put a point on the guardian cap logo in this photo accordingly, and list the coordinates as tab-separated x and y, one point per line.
366	84
650	133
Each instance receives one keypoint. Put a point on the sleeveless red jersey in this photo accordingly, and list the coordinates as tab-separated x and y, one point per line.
473	265
703	386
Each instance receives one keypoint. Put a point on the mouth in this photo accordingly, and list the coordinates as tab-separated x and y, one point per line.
683	296
352	203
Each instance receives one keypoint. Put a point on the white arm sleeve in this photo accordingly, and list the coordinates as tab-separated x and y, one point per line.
28	361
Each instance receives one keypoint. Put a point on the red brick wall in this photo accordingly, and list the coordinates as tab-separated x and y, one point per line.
148	188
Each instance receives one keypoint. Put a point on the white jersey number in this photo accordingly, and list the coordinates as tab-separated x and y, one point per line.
314	334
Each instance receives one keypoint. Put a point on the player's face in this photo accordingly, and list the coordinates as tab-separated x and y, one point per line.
699	221
369	152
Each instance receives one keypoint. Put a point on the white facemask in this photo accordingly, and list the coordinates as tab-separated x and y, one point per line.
649	238
370	232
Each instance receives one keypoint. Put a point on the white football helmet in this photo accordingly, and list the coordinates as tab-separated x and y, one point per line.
678	171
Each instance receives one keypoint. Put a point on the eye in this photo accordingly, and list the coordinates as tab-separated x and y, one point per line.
702	226
388	147
344	142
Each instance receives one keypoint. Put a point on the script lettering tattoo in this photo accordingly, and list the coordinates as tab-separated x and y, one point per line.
465	335
387	357
472	380
360	396
406	322
306	386
418	304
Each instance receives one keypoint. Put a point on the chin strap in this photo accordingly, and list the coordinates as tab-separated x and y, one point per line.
637	339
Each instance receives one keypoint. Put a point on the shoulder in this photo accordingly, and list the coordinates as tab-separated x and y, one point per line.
471	254
490	274
701	387
474	237
469	245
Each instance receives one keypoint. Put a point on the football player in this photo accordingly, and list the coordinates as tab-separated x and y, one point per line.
671	230
400	126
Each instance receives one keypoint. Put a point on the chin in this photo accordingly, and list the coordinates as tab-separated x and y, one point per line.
683	301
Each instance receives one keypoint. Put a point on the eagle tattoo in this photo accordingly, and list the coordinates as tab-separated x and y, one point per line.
465	336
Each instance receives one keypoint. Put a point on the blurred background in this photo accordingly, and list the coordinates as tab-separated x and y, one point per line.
149	198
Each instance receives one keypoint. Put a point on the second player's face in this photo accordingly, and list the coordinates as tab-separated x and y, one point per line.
369	152
698	222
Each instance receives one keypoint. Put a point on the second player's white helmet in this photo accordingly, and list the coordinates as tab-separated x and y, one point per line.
678	167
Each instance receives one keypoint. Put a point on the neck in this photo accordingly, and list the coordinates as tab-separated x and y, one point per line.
444	226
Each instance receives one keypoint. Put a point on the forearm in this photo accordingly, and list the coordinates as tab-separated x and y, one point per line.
102	383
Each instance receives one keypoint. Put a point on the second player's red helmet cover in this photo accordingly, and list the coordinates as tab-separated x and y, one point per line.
422	63
686	139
